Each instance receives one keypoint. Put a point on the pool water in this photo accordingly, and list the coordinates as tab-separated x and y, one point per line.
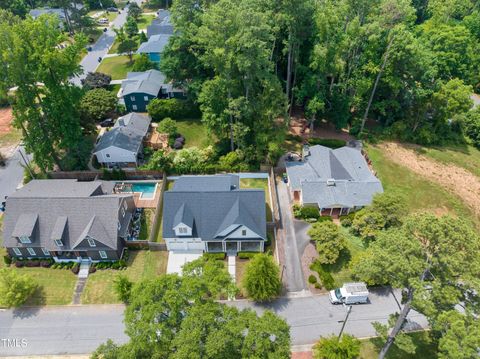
146	189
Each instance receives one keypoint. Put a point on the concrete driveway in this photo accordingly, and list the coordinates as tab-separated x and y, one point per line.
176	260
293	273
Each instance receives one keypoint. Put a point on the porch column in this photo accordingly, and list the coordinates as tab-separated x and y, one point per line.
224	246
348	210
262	246
239	246
331	211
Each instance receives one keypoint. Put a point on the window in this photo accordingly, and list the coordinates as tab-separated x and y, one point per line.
107	155
244	232
58	243
145	98
103	254
91	242
132	98
182	230
119	225
134	107
123	212
25	239
31	251
45	251
17	251
125	205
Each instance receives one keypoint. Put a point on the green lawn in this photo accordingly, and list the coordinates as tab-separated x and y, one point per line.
114	89
425	349
194	132
116	66
465	156
240	267
420	194
114	48
10	138
145	20
93	34
141	265
259	183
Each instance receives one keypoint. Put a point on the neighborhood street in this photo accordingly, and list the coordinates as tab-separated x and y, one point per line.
80	329
12	174
90	62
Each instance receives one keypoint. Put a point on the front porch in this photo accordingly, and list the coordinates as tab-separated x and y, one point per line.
233	247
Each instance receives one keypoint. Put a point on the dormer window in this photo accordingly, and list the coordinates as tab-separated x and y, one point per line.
182	230
91	242
244	232
24	239
58	242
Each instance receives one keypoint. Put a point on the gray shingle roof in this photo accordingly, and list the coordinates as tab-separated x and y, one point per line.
206	183
148	82
128	133
161	25
354	184
25	225
64	217
155	44
212	210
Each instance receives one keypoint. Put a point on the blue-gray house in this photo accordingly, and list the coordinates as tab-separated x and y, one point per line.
154	47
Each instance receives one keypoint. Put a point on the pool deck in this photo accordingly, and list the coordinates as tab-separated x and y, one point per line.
147	202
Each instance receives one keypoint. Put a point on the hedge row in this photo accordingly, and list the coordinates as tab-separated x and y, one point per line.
326	278
219	256
247	255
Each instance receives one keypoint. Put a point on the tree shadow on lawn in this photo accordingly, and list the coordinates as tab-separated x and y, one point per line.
342	262
32	306
425	347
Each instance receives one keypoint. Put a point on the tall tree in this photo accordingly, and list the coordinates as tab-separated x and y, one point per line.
262	278
426	256
46	103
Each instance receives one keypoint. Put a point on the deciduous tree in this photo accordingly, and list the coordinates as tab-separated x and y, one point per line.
347	347
262	278
15	288
329	241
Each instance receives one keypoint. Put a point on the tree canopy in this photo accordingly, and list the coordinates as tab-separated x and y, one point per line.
329	241
15	288
262	278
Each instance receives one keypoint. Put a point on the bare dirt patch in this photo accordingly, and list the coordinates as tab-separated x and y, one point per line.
6	118
453	178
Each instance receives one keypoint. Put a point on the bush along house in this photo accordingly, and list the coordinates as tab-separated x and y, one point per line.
68	221
211	214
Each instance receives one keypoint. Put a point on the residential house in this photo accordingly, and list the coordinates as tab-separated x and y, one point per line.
336	181
67	220
154	47
60	13
212	214
122	145
161	25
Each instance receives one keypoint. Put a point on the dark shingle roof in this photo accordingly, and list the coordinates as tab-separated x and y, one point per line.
213	212
155	44
149	82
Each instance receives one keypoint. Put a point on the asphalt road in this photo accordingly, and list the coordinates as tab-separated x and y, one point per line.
80	329
295	280
90	62
12	174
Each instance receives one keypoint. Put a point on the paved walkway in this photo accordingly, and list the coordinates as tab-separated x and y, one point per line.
77	292
294	279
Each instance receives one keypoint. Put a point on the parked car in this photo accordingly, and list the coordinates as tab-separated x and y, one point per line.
103	21
107	123
285	178
112	9
350	293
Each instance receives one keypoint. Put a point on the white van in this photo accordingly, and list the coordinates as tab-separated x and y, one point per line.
350	293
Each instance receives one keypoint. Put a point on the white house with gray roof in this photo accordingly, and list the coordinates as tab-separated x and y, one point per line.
67	220
121	145
212	214
336	181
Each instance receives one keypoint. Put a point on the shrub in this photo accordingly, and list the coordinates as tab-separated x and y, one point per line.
218	256
92	269
325	219
326	278
46	263
143	63
312	279
76	268
327	142
159	109
262	278
15	288
95	80
7	260
168	126
305	212
19	264
247	255
97	104
329	241
318	285
123	287
347	220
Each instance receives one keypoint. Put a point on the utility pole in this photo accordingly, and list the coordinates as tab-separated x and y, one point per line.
349	309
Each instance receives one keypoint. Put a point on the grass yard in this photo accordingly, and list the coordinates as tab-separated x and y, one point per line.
144	21
240	267
467	157
420	194
116	43
13	137
141	265
93	34
195	133
259	183
116	66
114	89
425	349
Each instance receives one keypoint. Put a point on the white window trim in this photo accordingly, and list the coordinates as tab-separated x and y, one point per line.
17	251
134	107
31	251
132	98
119	225
103	254
24	239
123	212
57	241
91	242
46	251
145	98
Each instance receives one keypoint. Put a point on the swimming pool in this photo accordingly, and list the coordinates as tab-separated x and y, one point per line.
146	189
